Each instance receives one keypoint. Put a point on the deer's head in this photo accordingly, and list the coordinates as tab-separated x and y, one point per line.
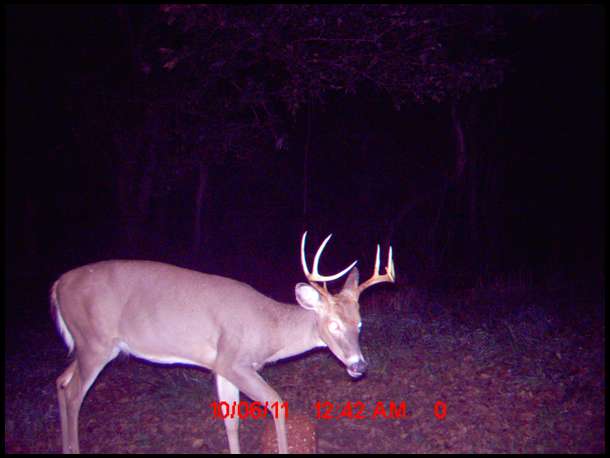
338	315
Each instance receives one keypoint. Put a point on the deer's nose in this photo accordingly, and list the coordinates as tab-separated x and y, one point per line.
357	369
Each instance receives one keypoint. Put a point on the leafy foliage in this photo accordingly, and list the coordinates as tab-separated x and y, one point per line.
261	55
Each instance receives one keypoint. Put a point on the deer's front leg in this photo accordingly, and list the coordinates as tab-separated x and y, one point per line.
252	384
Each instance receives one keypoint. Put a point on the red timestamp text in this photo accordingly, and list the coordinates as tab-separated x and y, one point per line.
244	409
358	410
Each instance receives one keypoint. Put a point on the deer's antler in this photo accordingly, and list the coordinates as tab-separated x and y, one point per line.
315	276
389	276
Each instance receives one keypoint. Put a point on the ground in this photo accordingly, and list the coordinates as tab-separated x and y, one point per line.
510	368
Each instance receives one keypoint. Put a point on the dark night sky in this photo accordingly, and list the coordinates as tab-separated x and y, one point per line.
546	124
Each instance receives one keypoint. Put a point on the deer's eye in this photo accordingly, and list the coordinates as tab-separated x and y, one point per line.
333	327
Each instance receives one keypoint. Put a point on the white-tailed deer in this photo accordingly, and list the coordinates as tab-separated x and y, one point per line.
166	314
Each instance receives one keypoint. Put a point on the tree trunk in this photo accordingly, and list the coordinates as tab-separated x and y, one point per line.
460	146
461	229
126	180
199	200
306	163
147	181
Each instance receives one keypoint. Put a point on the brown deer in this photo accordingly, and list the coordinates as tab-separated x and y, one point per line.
167	314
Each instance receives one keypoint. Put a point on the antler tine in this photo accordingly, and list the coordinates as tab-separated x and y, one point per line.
315	276
376	269
303	260
390	272
389	276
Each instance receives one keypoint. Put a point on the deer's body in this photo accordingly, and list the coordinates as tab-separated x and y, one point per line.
160	314
167	314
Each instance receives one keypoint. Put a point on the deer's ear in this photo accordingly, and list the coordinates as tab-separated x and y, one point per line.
351	283
307	296
350	287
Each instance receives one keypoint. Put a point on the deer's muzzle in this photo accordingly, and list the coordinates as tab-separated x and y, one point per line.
357	369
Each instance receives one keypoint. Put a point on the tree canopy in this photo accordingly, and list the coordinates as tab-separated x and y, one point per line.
248	67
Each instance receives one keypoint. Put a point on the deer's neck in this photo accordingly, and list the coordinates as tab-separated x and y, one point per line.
296	333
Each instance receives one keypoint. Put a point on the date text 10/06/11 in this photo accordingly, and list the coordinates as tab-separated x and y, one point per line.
244	409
